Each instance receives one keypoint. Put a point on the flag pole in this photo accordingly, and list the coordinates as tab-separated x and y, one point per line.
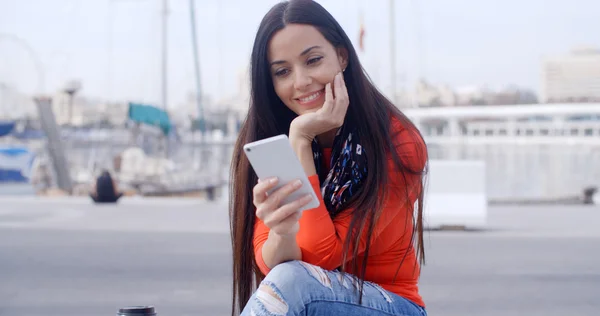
197	67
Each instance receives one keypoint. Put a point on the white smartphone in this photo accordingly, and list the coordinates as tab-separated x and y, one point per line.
274	157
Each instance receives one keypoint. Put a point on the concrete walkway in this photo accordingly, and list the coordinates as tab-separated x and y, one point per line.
66	256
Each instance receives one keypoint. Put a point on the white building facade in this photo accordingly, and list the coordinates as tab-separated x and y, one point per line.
572	78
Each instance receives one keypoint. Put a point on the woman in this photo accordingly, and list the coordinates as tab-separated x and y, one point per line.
359	252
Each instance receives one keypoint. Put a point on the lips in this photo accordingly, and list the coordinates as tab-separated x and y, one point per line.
311	98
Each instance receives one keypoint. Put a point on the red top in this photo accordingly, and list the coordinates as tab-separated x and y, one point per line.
320	239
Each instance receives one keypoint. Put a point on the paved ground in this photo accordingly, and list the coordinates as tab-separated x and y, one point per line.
68	257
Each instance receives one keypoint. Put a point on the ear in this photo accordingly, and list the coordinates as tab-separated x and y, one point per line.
342	54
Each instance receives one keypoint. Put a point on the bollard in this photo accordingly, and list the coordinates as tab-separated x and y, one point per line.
210	193
137	311
588	195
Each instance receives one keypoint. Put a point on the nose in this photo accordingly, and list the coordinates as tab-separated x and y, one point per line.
302	79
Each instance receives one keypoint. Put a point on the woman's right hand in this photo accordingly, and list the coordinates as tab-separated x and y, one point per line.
281	219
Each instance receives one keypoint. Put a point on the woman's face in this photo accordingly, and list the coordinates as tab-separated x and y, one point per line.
302	62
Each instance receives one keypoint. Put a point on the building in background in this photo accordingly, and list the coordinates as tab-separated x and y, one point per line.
429	95
88	112
574	77
113	114
76	112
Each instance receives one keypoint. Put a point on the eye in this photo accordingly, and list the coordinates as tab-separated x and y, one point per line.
314	60
281	72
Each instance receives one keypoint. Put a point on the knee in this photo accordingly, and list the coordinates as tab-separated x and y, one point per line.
295	275
285	273
273	296
288	286
282	290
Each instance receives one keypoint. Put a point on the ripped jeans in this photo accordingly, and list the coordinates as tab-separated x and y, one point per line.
299	288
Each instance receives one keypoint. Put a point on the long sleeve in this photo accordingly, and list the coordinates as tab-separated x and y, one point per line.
321	239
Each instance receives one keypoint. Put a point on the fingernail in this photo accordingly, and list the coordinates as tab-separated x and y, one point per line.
297	184
307	198
272	180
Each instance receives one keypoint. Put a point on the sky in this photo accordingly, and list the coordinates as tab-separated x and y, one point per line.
114	46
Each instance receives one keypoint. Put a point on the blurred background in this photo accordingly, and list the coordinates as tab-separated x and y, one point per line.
506	94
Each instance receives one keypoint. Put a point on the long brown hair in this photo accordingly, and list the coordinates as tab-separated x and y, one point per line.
267	116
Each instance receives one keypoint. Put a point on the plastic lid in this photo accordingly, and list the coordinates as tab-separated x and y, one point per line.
137	310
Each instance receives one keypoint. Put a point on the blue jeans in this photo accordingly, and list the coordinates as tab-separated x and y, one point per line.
299	288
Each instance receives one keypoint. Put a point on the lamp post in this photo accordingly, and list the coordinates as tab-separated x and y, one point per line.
71	88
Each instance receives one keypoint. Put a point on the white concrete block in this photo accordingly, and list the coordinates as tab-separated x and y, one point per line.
455	194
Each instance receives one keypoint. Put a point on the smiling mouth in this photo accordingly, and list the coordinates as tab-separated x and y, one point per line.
308	99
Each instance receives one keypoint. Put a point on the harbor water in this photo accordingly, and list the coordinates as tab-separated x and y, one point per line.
530	171
513	171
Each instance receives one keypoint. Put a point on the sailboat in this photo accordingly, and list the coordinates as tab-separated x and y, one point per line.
15	161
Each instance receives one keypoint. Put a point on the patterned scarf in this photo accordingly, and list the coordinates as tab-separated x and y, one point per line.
347	172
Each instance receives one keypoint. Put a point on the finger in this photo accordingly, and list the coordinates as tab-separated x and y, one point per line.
259	192
328	105
342	101
344	88
337	85
274	199
289	211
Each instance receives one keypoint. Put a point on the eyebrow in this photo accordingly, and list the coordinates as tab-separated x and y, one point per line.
304	52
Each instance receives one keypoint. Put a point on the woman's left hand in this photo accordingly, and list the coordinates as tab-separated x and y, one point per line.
330	116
